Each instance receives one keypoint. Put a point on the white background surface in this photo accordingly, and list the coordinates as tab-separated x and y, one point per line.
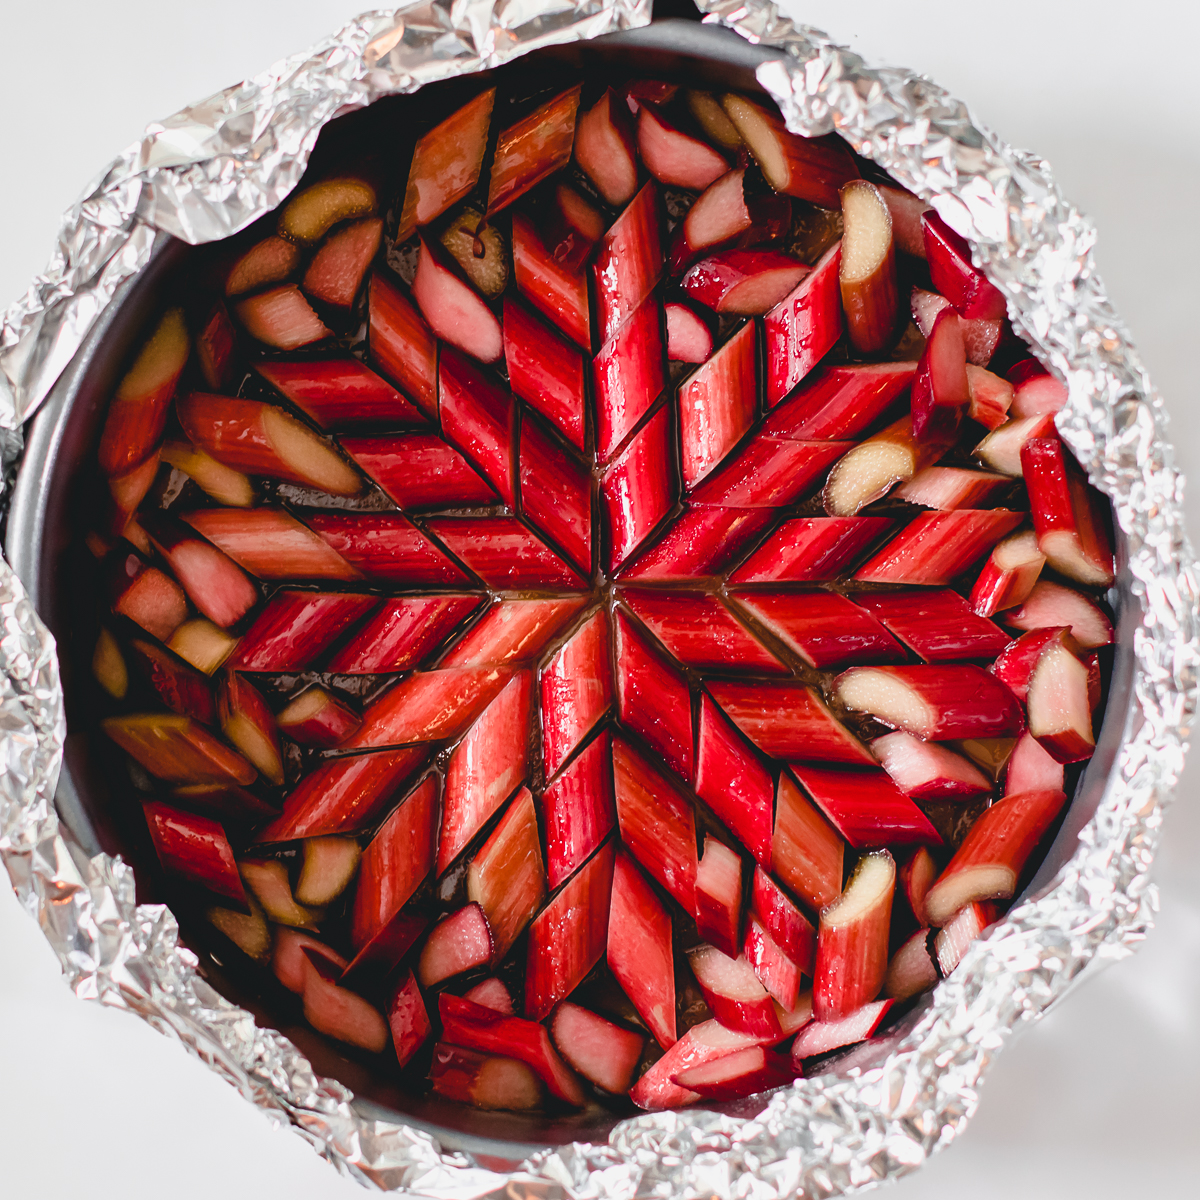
1101	1098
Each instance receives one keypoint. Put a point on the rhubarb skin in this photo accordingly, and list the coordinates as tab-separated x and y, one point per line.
603	1053
936	547
194	848
559	294
734	994
937	625
852	941
513	631
639	487
1050	604
719	897
182	689
940	394
401	345
420	471
866	807
811	549
178	749
576	690
461	941
570	935
803	326
867	273
338	393
628	376
295	628
927	770
545	370
989	862
954	276
386	546
477	416
840	402
605	149
822	1036
699	543
769	473
281	318
1009	575
453	310
629	262
1031	769
806	850
717	403
791	931
532	148
338	268
408	1019
400	633
487	1081
777	973
556	494
270	543
703	1043
578	811
505	553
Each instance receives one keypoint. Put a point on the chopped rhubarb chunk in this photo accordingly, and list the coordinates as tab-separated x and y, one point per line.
811	549
927	770
402	345
533	148
605	149
270	543
717	403
840	401
420	471
491	993
674	157
745	283
865	806
689	338
559	294
628	375
177	749
701	542
603	1053
936	547
806	851
578	811
505	553
408	1019
638	487
954	275
401	633
281	318
787	926
719	896
820	1037
556	494
194	848
769	473
454	310
576	689
628	263
477	415
703	1043
296	628
737	999
148	596
270	261
545	370
340	265
488	1081
339	392
936	625
457	943
1050	604
386	546
513	631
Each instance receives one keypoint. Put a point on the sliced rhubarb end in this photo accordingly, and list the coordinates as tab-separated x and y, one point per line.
456	944
330	863
311	213
956	891
867	272
603	1053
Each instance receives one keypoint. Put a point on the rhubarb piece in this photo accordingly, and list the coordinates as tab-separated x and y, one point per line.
700	631
806	851
989	862
340	265
578	811
477	415
329	865
628	376
291	957
867	273
717	403
716	219
339	392
742	1073
559	294
701	542
483	1080
506	878
491	993
318	718
954	276
482	1029
788	928
820	1037
467	237
1001	449
1009	575
1035	390
874	467
202	644
577	227
576	691
182	689
339	1012
195	848
940	395
513	631
1068	515
981	337
108	666
938	546
1031	769
545	370
914	879
248	723
532	148
719	897
733	992
556	495
1051	604
639	949
1015	665
569	936
717	126
703	1043
408	1019
628	263
311	213
657	823
674	157
812	169
249	932
129	490
938	626
137	412
935	702
689	338
603	1053
905	210
810	549
457	943
852	941
216	585
446	163
953	940
454	310
1060	703
270	261
605	149
268	880
400	633
988	754
401	344
485	768
840	401
946	488
281	318
386	546
147	596
177	749
777	973
824	628
222	483
653	699
394	864
865	806
788	720
504	553
226	801
991	396
342	795
420	471
927	770
296	628
638	487
744	282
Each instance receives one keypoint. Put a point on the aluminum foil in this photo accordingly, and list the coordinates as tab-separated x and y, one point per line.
215	167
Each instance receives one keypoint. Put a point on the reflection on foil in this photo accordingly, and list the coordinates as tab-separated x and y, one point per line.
214	168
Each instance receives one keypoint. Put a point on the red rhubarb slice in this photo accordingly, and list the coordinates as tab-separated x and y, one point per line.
544	370
248	723
914	879
1035	390
559	294
513	631
491	993
717	403
905	209
386	546
746	283
340	265
281	318
674	157
703	1043
401	344
576	691
576	228
1009	575
716	219
840	401
297	627
339	392
603	1053
1031	768
457	943
215	584
1015	665
1001	449
701	542
638	487
477	415
954	276
605	149
146	595
639	949
874	467
927	770
803	326
742	1073
1050	604
991	396
318	718
454	310
270	543
810	549
945	488
182	689
787	926
401	633
769	473
981	336
955	937
865	806
806	850
689	338
556	494
939	392
628	376
578	811
129	490
292	957
657	822
653	698
788	720
820	1037
506	878
569	936
1060	703
408	1019
628	262
420	471
269	261
194	848
485	768
777	973
938	625
504	553
532	148
488	1081
177	749
867	273
936	547
719	897
737	999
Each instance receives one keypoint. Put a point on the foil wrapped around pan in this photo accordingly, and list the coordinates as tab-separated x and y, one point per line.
218	165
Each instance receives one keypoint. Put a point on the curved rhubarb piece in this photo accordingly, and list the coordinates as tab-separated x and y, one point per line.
852	941
744	282
865	806
491	993
292	957
337	392
1009	575
311	213
1050	604
401	344
674	157
457	943
576	691
318	718
1001	449
270	261
408	1019
719	215
605	149
247	721
914	879
129	490
927	770
195	848
222	483
940	395
337	1011
268	880
603	1053
281	318
989	862
689	338
703	1043
867	273
954	275
177	749
532	148
806	850
937	625
338	268
108	665
742	1073
1060	701
203	644
874	467
576	227
711	117
954	939
454	310
1031	768
578	811
330	863
737	999
1015	665
820	1037
249	932
935	702
466	234
719	897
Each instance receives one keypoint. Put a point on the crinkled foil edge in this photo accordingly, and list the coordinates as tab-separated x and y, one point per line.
215	167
